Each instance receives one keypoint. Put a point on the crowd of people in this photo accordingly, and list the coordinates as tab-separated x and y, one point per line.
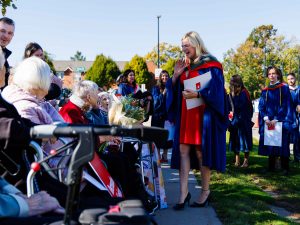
197	119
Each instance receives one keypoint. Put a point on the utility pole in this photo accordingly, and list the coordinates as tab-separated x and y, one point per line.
158	64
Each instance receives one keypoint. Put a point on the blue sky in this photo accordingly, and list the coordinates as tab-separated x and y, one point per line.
121	29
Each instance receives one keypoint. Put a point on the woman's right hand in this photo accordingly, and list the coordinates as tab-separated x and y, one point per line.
178	69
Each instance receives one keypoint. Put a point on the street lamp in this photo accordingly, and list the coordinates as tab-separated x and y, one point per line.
158	41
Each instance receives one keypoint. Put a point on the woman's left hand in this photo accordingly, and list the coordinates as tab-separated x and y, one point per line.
188	94
273	122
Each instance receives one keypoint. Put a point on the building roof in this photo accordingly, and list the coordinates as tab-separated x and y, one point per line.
63	65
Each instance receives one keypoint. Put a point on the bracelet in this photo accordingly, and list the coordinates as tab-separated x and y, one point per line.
198	94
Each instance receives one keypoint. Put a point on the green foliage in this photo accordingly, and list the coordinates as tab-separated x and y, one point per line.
260	35
262	48
169	66
139	66
78	57
49	61
166	52
103	71
6	3
132	109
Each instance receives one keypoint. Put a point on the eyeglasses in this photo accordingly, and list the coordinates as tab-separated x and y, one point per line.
185	46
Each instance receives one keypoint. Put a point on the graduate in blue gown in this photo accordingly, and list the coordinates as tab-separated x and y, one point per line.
294	136
275	106
241	123
129	86
159	115
211	154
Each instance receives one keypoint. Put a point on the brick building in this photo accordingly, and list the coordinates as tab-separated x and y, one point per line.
72	71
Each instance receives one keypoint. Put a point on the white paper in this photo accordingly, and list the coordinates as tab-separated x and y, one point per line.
191	84
273	137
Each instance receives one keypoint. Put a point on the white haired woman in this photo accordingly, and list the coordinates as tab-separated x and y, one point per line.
14	135
120	164
84	95
29	86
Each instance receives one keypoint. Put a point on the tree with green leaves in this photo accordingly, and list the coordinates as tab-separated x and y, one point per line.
49	60
103	72
166	52
139	66
169	66
261	49
6	3
78	57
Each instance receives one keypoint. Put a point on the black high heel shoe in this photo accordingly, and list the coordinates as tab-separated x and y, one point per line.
180	206
203	204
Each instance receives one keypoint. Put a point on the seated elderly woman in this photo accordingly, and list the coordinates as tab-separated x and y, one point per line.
121	165
14	136
82	108
29	86
99	112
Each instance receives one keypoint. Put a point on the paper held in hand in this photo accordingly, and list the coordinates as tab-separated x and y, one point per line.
196	84
273	137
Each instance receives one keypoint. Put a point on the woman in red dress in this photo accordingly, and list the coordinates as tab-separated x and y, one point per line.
201	128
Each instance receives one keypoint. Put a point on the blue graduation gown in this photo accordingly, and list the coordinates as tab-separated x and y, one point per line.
241	124
124	89
295	98
159	112
275	102
214	118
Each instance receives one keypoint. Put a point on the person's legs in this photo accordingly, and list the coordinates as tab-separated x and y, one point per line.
296	148
272	160
184	171
285	164
164	155
246	159
205	180
205	177
237	159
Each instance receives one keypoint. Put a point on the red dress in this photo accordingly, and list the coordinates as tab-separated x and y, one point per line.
192	119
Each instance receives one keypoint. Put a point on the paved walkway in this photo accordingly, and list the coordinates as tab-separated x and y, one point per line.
188	216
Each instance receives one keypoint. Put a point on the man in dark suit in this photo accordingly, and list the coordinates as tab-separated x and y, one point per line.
7	30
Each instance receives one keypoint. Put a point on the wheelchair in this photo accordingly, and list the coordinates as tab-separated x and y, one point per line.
83	153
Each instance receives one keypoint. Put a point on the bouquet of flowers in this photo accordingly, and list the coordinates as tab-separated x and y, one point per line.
126	111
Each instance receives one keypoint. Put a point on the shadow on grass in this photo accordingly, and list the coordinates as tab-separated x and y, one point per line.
238	195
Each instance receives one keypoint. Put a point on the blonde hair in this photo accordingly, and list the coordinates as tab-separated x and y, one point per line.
32	73
196	41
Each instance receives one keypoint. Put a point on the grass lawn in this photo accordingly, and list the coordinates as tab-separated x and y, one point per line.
238	195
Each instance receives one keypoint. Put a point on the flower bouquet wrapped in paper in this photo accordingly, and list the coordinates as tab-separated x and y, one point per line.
126	111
